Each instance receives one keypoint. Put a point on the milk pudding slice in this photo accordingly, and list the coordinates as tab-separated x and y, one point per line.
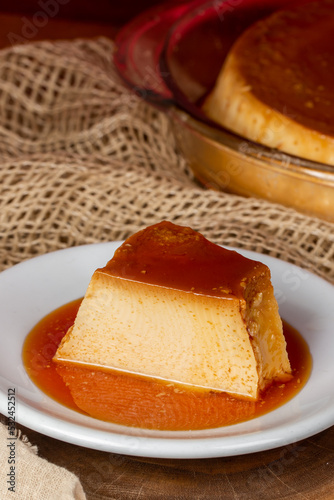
170	305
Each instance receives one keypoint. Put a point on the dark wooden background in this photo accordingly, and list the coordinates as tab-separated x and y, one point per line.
106	11
23	21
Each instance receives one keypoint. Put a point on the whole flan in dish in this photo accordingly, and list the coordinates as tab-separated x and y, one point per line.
172	307
276	86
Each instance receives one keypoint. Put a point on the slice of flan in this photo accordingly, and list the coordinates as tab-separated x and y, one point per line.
172	306
276	86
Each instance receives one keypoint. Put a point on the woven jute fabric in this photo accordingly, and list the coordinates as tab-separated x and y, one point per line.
84	160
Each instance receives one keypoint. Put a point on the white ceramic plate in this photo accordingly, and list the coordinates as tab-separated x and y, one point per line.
33	288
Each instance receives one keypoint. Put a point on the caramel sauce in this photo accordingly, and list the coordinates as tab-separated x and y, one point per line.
136	401
288	61
179	257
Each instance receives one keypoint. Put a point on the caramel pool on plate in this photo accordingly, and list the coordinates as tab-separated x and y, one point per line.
173	333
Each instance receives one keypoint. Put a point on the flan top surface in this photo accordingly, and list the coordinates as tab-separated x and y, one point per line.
178	257
288	61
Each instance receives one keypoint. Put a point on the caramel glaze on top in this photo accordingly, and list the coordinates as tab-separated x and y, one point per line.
178	257
288	61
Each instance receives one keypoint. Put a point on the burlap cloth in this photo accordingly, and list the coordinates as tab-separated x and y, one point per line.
83	160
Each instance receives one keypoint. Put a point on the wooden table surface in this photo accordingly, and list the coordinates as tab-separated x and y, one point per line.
303	470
